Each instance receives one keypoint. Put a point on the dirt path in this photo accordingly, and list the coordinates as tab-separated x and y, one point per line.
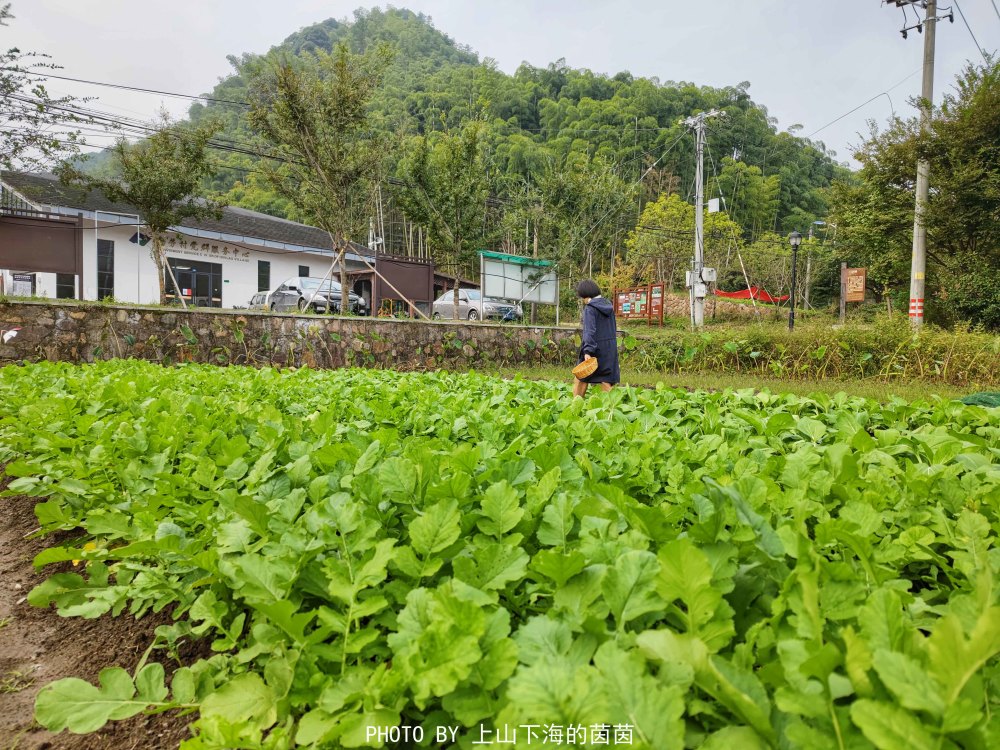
37	646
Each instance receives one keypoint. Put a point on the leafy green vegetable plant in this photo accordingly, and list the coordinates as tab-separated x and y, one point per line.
369	549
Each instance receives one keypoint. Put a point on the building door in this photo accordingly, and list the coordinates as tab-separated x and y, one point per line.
203	289
200	283
363	288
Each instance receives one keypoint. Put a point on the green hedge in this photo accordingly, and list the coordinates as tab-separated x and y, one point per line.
886	350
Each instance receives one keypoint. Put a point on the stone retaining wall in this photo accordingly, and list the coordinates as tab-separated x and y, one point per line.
677	306
80	332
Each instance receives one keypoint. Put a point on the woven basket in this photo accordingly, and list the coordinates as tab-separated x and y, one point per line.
586	368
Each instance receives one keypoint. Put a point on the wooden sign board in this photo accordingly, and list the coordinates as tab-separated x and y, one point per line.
656	294
621	304
642	303
637	301
856	278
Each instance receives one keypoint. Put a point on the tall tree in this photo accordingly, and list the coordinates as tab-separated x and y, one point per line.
662	244
875	215
161	177
584	199
543	115
446	184
575	207
750	196
35	127
323	155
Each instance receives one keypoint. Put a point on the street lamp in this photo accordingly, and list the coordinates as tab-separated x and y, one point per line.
795	239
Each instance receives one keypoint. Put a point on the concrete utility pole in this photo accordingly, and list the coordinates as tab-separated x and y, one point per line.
918	263
699	275
809	257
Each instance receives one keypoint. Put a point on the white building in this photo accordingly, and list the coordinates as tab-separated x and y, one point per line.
218	262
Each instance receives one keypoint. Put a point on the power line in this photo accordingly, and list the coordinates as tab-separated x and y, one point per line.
688	234
239	103
130	88
882	93
109	120
978	46
995	9
622	200
216	100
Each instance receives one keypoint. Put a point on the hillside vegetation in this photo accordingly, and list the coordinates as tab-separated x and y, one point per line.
546	122
595	171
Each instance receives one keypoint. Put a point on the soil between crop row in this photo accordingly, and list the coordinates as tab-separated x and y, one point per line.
38	646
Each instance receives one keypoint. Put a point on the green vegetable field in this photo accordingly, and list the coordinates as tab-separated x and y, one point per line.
441	560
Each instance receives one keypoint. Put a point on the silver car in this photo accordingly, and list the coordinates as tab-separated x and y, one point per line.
473	306
261	301
302	292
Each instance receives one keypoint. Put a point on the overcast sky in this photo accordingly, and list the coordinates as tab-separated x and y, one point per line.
808	62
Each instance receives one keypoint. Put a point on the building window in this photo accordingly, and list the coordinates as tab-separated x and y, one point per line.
263	275
105	269
304	271
65	286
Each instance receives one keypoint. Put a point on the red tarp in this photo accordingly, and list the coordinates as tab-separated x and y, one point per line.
758	294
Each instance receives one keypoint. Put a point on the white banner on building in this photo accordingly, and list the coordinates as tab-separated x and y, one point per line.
22	285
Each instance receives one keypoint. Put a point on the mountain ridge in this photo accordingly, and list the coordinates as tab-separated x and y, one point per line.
544	115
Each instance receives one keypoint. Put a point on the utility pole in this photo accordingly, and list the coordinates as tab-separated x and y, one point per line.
918	262
805	290
795	239
843	293
918	265
809	249
699	275
534	254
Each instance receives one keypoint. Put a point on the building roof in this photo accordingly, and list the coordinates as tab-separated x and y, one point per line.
519	260
439	276
48	190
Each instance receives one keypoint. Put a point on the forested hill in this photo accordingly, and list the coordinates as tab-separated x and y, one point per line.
541	116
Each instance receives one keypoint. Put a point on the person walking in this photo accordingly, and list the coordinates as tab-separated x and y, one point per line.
600	338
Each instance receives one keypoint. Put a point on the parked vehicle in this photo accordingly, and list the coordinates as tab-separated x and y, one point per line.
261	301
473	306
301	292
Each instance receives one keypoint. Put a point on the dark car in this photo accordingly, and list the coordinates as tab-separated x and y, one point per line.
301	293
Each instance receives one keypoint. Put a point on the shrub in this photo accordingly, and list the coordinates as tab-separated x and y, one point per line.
887	349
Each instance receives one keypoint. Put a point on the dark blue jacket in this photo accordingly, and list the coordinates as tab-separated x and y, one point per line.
600	340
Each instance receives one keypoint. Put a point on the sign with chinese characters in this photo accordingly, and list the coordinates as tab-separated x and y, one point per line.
212	250
573	735
856	278
642	303
656	295
621	304
22	284
638	300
